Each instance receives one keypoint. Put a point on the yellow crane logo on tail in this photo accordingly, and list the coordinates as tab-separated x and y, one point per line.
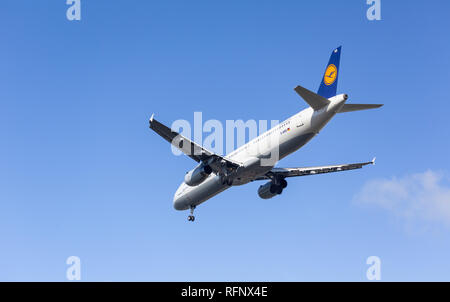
330	75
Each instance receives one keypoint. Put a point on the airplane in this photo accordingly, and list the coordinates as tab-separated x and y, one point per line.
216	173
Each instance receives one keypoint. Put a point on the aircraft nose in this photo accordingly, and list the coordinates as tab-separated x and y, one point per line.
180	199
179	203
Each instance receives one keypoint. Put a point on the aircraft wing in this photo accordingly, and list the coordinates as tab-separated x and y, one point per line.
192	149
291	172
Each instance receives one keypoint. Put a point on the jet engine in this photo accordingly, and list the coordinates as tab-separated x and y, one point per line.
271	189
197	175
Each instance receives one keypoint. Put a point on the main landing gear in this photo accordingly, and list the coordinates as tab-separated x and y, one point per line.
228	182
192	217
225	175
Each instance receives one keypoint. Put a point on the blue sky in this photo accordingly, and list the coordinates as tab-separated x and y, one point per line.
81	174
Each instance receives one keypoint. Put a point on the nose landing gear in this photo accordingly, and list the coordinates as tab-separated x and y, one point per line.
192	217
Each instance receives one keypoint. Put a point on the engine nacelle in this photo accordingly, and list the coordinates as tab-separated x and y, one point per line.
197	175
269	190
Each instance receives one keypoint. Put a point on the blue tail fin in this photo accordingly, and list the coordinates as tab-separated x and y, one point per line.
328	86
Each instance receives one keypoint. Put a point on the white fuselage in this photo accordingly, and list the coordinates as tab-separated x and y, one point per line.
278	142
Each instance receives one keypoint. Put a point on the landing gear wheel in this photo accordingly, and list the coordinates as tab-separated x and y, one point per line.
192	217
230	182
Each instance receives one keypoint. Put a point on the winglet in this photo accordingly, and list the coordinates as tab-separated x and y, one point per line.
373	160
151	119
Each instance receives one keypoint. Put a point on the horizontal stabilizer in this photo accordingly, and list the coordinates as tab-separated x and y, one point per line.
314	100
356	107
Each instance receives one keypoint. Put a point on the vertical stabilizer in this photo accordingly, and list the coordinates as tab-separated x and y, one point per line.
328	86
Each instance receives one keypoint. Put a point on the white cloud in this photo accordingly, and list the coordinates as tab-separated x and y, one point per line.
421	197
